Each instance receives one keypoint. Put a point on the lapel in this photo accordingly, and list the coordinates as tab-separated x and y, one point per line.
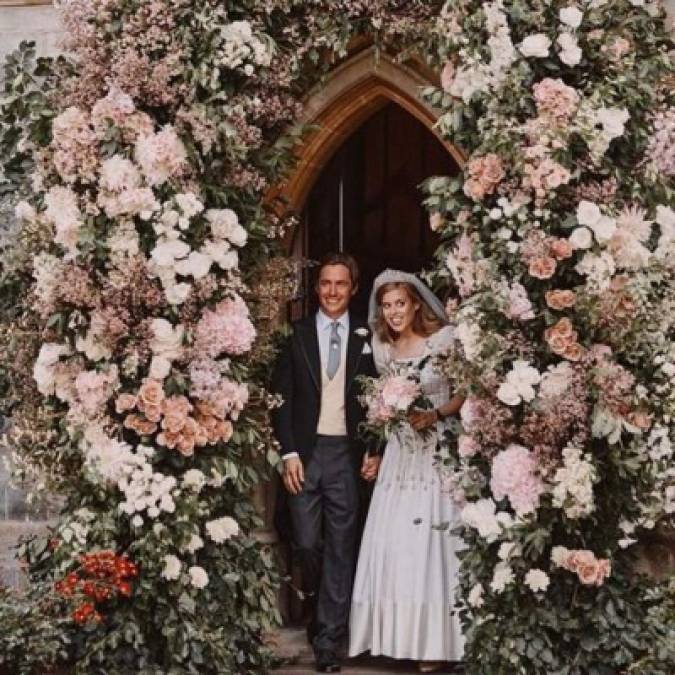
309	343
354	350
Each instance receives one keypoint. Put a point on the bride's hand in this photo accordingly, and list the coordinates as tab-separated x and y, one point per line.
422	419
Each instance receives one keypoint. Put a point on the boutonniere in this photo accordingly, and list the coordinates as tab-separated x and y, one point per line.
362	332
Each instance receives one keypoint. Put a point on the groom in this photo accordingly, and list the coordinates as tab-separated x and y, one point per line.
321	451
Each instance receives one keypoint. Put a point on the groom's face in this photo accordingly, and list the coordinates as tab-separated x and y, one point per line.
335	289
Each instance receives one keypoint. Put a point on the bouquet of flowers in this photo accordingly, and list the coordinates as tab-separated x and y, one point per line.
389	399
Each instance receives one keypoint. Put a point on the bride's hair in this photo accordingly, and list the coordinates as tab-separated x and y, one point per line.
425	323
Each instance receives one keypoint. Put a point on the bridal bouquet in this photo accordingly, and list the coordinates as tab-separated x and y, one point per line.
389	399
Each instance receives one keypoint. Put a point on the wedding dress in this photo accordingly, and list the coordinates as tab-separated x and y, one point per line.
407	574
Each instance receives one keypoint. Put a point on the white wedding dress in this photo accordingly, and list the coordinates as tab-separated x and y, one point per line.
407	574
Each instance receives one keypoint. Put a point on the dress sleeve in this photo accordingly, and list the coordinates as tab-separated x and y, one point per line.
443	340
381	354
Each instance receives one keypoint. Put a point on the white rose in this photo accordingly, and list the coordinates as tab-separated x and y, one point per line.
137	521
166	253
475	598
503	576
198	576
508	394
588	213
172	566
160	367
194	479
571	57
223	222
535	45
196	265
176	294
167	504
195	543
558	555
509	549
496	214
238	236
612	120
571	16
665	216
581	238
222	529
537	580
604	229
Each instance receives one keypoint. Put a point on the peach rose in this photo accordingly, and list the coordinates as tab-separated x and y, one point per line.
588	572
558	343
576	558
153	412
564	328
125	402
167	439
573	352
640	419
151	393
542	268
174	423
559	299
560	249
178	406
140	425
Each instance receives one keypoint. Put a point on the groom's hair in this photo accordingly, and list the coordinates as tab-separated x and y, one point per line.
340	259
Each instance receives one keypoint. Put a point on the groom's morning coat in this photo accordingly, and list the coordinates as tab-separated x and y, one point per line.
298	379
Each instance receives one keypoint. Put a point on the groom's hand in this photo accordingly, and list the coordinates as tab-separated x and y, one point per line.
293	475
370	467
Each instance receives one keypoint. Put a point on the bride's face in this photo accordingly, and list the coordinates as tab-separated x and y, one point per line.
398	309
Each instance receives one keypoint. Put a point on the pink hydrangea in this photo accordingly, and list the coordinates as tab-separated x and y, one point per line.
519	308
227	329
555	100
513	476
467	446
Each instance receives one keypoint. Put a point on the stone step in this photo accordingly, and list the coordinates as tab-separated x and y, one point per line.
290	644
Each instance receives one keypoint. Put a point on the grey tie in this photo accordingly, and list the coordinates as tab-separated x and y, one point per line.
334	351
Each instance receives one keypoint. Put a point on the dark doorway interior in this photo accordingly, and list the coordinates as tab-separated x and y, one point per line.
367	202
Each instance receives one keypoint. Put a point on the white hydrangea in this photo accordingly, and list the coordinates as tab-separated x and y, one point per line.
573	484
598	270
581	238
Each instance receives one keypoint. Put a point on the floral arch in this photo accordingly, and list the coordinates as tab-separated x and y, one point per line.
142	289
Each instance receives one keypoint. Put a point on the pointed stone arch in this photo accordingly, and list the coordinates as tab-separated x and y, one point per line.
339	104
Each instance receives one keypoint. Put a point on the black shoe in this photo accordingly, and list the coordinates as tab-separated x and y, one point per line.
327	662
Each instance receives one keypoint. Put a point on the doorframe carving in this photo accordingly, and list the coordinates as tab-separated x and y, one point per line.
340	103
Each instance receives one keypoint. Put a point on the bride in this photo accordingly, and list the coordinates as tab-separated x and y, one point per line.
407	570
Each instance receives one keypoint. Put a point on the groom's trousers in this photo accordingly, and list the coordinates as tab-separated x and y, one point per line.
325	527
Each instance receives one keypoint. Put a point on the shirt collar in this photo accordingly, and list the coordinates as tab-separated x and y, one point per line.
323	321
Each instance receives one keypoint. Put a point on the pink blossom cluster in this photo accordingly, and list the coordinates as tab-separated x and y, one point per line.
484	173
390	397
661	148
462	266
75	145
117	108
488	422
555	100
519	306
543	174
514	475
226	329
591	571
94	388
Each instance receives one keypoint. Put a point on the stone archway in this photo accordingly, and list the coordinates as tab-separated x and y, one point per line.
338	105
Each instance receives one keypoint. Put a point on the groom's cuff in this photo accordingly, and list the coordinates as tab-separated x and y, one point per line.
290	455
